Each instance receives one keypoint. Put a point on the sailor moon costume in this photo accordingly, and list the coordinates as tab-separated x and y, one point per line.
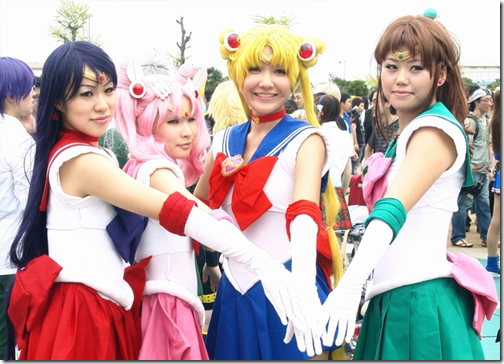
420	300
172	314
79	302
244	325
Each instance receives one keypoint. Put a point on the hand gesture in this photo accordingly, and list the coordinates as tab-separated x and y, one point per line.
307	338
214	274
340	310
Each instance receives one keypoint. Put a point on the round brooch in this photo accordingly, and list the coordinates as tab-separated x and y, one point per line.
231	165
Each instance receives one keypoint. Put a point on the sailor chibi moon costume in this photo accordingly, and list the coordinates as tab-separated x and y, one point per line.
420	302
244	325
78	302
172	313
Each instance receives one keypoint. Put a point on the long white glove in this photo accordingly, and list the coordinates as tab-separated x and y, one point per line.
304	270
226	238
341	306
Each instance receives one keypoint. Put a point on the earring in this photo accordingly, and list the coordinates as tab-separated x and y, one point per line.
440	82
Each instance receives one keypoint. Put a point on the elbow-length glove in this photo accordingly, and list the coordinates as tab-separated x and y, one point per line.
340	308
181	216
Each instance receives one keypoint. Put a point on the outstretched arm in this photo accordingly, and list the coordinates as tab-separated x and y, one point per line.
93	174
421	168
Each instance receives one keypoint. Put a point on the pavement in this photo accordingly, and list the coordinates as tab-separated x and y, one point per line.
491	349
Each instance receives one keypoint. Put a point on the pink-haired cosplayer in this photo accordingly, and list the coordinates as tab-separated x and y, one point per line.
172	313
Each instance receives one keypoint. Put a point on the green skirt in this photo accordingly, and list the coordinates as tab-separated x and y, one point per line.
430	320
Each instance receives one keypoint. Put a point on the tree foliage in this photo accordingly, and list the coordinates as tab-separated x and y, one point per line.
71	18
214	78
354	88
494	84
468	82
285	20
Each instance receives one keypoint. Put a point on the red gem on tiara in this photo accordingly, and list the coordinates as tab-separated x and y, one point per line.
102	78
232	41
306	51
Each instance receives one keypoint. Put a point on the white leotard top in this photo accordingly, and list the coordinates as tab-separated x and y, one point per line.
269	232
419	251
77	236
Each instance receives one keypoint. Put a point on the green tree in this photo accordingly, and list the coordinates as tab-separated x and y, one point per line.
285	20
71	18
494	84
468	82
214	78
356	87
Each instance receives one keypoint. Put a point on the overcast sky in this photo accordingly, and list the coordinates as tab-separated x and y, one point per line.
133	29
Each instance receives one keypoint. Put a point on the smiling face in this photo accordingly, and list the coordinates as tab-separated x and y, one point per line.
266	88
407	85
178	132
483	105
91	109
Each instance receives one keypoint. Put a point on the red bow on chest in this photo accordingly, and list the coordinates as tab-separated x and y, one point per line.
248	201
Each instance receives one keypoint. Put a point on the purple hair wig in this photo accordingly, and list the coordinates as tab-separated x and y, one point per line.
16	80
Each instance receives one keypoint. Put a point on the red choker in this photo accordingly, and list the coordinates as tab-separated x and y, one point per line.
266	118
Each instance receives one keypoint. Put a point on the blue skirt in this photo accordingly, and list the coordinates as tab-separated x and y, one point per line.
247	327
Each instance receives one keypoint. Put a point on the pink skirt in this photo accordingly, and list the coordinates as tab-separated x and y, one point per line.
170	330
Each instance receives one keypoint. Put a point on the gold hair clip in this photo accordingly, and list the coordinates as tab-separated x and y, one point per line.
402	56
266	58
92	76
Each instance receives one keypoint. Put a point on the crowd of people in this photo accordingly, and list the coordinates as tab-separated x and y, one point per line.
226	198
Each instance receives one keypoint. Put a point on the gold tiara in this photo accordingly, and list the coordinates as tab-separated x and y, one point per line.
402	56
92	76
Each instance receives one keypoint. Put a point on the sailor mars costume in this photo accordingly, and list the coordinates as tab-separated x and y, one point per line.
81	301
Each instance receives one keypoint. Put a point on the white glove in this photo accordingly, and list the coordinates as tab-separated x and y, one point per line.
304	270
226	238
341	306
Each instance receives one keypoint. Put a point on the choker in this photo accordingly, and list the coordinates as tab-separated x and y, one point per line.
267	118
78	134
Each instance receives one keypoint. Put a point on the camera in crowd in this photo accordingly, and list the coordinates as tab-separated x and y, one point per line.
353	112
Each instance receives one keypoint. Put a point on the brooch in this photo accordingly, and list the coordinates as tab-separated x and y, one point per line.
231	165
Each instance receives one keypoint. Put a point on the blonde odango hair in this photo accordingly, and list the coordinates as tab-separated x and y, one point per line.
285	47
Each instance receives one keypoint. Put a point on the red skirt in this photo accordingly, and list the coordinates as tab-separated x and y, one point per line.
70	321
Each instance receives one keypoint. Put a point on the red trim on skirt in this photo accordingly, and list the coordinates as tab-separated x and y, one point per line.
70	321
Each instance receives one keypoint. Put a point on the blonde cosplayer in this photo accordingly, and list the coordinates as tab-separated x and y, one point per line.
245	51
226	107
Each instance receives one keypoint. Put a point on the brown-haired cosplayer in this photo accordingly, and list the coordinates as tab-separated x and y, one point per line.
421	294
268	173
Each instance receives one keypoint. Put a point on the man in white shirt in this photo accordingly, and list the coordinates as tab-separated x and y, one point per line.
16	163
